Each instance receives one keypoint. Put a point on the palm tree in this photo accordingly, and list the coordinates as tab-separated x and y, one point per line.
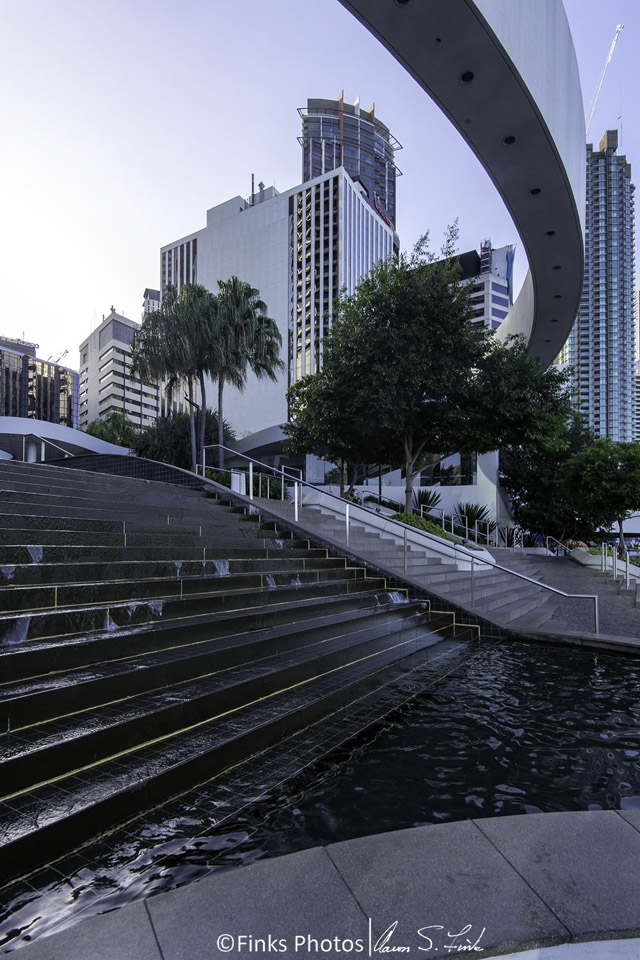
179	341
247	339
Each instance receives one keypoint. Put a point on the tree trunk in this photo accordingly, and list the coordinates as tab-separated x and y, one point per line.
409	461
220	422
622	545
192	426
203	417
355	475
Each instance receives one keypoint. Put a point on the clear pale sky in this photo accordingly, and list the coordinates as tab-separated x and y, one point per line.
124	120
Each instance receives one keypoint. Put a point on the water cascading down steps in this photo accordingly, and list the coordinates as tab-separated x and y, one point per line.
152	635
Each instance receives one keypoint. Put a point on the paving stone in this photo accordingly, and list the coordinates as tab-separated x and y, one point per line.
124	934
584	864
298	895
446	875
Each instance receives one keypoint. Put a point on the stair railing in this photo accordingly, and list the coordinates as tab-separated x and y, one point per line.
402	531
495	531
42	440
563	547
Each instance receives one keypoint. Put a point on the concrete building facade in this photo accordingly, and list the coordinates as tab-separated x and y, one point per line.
490	274
602	344
106	384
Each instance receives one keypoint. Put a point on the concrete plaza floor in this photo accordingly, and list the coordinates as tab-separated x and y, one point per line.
487	887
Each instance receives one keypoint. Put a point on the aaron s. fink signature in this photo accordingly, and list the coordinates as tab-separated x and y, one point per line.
455	942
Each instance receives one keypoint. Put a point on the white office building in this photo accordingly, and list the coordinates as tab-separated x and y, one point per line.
150	301
490	274
299	248
106	384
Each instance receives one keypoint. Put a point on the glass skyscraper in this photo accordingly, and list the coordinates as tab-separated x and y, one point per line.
338	134
601	346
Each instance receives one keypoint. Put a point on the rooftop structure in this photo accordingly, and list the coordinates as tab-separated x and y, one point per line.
338	134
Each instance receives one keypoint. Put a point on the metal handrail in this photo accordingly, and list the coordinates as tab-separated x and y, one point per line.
435	541
276	470
493	526
546	586
42	440
560	544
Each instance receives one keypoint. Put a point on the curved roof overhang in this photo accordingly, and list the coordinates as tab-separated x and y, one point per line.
505	74
57	438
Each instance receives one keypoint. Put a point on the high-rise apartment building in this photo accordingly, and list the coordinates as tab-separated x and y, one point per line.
490	274
35	388
601	346
338	134
300	249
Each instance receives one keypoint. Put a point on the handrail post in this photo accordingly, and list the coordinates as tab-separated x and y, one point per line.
614	562
603	562
595	614
405	553
473	585
250	479
282	483
476	532
346	523
627	573
295	501
466	526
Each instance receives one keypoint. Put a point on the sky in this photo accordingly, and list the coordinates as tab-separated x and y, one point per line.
123	121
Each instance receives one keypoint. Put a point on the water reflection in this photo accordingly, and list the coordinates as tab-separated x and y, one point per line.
515	729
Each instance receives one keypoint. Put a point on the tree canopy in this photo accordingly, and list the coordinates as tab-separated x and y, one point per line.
115	428
168	439
196	334
541	500
248	339
405	374
604	479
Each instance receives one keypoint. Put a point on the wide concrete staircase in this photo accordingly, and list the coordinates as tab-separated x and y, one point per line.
152	635
495	595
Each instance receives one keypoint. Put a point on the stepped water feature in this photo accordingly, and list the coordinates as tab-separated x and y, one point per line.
153	635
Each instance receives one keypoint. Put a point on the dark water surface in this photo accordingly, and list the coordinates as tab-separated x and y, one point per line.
517	728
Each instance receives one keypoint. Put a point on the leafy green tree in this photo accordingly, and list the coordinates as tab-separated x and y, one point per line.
412	376
604	480
247	339
326	420
168	440
540	499
115	428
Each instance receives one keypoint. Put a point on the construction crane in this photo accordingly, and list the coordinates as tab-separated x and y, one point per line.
58	359
619	28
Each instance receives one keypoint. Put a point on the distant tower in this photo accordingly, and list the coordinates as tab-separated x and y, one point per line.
601	345
338	134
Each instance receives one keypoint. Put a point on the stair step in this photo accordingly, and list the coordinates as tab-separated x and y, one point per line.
59	573
237	676
78	805
57	693
73	621
72	595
